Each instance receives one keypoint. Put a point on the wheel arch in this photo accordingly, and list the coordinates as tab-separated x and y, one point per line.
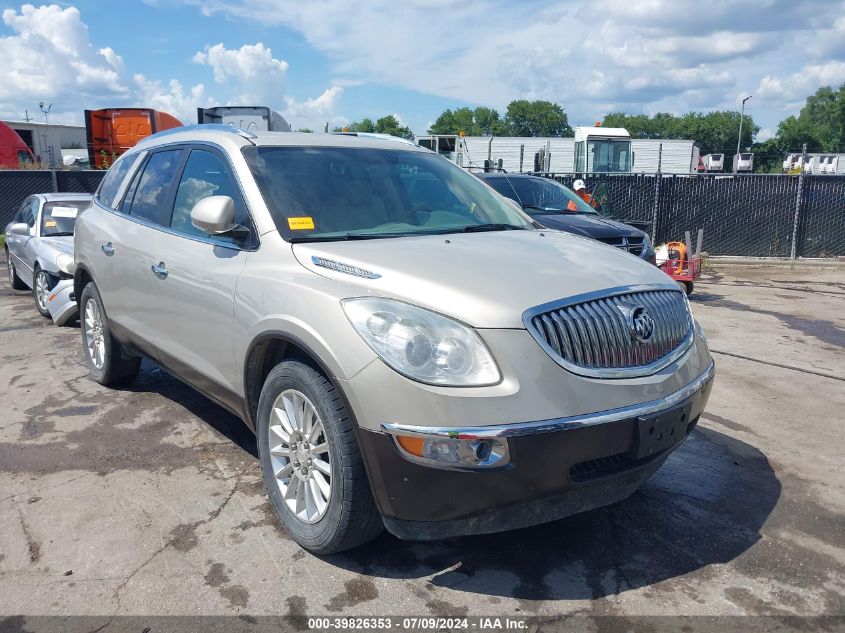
81	277
267	350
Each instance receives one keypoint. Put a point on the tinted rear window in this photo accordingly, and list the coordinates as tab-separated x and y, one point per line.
150	196
113	179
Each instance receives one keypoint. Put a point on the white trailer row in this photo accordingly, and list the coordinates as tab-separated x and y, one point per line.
831	164
517	153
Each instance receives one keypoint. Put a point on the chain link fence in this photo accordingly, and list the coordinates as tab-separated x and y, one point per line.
752	215
748	214
17	185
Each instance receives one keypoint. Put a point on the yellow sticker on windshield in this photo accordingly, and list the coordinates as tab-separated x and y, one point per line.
49	223
304	223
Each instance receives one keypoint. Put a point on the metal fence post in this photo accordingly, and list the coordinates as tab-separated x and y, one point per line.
657	177
55	180
793	252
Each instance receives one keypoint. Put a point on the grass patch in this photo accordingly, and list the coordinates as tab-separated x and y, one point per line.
2	240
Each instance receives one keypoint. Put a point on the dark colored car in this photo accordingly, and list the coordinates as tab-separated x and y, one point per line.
555	206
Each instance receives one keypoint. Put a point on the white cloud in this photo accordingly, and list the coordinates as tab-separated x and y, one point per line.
49	56
172	98
636	55
258	76
322	106
799	85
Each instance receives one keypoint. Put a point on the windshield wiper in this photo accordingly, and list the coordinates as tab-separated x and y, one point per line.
478	228
344	237
548	210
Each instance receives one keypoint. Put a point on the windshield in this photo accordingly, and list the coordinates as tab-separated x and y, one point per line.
324	193
609	155
539	196
59	218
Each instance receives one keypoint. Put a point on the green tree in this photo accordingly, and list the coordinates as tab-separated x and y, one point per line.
523	118
536	118
479	122
820	125
390	125
385	125
713	131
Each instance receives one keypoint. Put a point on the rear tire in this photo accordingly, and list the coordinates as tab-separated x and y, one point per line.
105	357
14	281
314	457
688	287
42	283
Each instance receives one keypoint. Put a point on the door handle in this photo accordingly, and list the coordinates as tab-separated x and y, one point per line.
108	249
159	270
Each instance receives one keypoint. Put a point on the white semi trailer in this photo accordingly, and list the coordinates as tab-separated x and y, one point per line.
517	154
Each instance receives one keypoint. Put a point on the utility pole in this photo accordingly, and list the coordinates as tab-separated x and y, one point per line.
739	138
46	134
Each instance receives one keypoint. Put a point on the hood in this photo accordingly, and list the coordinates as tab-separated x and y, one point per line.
60	244
594	226
484	279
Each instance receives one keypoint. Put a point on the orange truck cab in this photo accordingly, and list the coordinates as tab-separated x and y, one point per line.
112	131
14	153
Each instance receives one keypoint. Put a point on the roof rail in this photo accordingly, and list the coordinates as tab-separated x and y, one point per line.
383	137
206	127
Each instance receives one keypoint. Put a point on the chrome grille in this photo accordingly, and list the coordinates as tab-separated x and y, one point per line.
597	335
630	244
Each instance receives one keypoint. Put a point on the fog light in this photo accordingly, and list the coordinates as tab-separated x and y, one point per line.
456	452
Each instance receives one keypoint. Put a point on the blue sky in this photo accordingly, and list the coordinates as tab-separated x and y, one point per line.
319	61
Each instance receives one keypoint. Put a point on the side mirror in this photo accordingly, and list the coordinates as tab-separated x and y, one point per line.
20	229
215	215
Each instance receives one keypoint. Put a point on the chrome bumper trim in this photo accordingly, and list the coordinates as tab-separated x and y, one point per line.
559	424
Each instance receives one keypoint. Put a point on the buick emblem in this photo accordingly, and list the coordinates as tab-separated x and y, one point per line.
641	324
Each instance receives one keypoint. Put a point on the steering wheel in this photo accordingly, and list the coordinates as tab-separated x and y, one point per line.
414	211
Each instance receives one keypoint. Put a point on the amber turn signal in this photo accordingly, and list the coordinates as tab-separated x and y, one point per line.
414	445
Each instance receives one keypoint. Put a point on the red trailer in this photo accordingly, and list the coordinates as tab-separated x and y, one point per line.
14	153
114	130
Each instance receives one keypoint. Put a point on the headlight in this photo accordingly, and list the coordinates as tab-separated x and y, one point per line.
422	345
646	246
65	264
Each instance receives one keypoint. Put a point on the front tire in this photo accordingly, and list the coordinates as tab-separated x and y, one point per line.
42	283
14	281
104	356
311	464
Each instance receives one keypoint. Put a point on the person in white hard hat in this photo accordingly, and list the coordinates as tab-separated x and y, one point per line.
581	191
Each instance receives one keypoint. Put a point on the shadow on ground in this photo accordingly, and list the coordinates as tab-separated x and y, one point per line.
705	506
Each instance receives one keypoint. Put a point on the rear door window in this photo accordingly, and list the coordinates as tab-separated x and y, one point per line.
110	187
151	190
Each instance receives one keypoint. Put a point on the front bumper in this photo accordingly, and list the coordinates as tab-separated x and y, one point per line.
557	468
61	303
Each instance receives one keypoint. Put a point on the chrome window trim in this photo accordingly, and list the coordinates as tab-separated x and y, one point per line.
560	424
610	372
187	146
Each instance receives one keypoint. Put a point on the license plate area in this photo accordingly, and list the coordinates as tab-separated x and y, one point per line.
659	431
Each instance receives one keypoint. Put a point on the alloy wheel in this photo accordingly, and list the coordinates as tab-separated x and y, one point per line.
42	289
299	456
94	338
